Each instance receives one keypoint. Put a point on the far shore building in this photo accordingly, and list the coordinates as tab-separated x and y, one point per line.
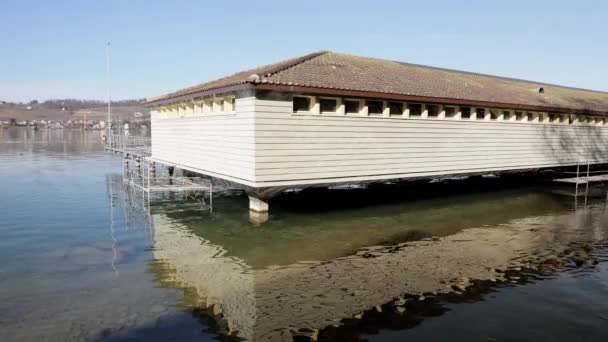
328	118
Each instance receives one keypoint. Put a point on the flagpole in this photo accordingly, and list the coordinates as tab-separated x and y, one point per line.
109	105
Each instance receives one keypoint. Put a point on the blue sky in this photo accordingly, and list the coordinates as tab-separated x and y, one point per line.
56	49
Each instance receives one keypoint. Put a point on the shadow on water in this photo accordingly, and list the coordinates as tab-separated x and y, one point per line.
358	268
326	224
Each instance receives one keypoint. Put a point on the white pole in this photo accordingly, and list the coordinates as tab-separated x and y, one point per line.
109	105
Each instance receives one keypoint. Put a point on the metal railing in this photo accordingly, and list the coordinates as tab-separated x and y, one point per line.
127	144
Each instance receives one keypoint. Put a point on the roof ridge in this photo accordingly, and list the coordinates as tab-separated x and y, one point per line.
505	78
473	73
246	77
295	61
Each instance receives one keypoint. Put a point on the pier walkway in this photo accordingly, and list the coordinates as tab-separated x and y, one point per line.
584	177
584	180
132	146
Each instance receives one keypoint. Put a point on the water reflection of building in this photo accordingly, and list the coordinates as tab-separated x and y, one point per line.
269	303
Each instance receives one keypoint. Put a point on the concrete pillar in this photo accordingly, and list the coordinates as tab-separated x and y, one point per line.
258	210
257	205
258	218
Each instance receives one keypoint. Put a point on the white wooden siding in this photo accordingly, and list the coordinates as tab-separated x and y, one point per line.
295	149
265	145
221	145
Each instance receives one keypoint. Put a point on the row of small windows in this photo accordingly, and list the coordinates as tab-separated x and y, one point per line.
339	106
217	105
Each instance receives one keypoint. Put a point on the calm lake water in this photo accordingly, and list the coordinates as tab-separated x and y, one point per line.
479	260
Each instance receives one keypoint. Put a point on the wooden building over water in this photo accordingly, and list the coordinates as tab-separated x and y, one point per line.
329	118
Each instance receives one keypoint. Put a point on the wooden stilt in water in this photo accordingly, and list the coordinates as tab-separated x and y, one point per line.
152	167
587	184
576	186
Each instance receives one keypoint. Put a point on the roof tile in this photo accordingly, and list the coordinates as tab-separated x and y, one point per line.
332	70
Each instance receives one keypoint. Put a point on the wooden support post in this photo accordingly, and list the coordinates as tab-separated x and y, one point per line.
152	166
576	186
587	184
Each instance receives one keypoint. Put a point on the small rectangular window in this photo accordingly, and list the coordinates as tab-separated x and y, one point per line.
352	106
530	116
450	112
301	104
415	110
541	117
553	118
233	104
506	115
465	112
519	116
481	113
374	107
493	114
432	111
328	105
395	108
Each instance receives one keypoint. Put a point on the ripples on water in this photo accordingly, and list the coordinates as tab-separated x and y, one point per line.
84	261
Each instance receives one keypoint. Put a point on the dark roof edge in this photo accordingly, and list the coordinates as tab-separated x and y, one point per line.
416	98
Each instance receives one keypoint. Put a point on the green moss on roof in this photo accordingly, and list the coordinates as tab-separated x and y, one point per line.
331	70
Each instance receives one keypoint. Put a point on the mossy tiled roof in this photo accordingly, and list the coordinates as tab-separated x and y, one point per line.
330	70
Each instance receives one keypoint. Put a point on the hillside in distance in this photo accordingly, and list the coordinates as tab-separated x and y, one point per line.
69	109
